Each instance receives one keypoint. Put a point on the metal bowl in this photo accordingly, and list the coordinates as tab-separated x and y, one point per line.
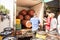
7	29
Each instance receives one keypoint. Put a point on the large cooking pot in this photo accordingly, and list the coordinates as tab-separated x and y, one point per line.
31	12
23	12
27	17
20	17
27	23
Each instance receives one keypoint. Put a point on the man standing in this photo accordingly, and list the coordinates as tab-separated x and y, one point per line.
35	23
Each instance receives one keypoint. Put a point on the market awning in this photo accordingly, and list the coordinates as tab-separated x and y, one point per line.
28	3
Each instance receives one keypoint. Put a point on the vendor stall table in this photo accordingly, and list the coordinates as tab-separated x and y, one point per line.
26	34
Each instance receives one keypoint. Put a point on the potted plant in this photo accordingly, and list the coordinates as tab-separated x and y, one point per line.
3	11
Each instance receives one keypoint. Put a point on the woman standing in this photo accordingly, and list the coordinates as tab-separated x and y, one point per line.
48	21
